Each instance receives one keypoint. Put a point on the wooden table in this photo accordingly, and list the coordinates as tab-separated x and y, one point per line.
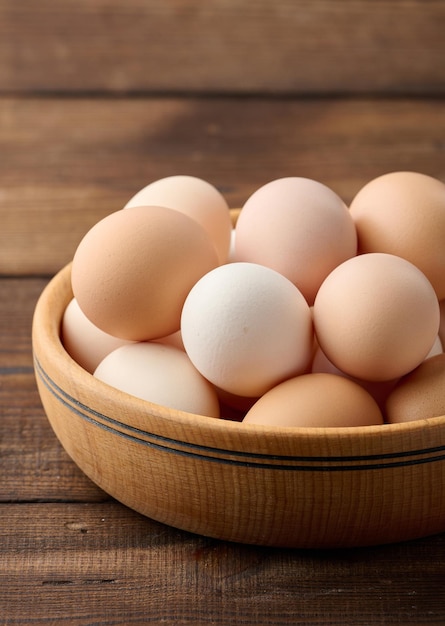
98	98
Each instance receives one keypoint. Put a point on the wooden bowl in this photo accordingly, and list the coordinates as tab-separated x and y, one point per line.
295	487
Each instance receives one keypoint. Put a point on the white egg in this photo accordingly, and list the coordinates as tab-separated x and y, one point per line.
160	374
246	328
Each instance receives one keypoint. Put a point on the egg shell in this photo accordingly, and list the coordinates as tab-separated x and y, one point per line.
298	227
133	270
246	327
442	322
376	316
436	349
420	394
160	374
196	198
175	340
316	400
403	213
87	344
379	390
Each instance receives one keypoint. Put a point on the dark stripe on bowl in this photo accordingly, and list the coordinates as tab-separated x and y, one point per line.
239	458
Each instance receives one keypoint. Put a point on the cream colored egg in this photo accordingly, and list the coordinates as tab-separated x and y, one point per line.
246	327
196	198
133	270
315	400
87	344
376	316
403	213
298	227
160	374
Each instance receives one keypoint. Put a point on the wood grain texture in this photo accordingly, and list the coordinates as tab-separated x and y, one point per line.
30	455
327	46
102	564
301	487
70	162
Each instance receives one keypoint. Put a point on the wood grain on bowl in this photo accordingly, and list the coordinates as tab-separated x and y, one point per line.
302	487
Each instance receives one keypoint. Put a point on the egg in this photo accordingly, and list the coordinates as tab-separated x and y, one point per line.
403	213
298	227
160	374
246	327
379	390
420	394
231	258
436	349
442	322
175	340
376	316
85	343
196	198
134	268
315	400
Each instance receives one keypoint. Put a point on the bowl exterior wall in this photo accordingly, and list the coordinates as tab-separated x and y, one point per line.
305	489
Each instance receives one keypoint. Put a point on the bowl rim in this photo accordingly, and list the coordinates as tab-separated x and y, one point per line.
47	323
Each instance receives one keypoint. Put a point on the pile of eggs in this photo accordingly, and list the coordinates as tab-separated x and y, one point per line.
305	313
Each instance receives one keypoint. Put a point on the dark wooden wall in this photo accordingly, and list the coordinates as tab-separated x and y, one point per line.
99	97
222	46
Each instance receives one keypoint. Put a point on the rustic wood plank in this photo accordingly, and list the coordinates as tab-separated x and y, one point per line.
101	563
33	465
17	301
219	46
67	163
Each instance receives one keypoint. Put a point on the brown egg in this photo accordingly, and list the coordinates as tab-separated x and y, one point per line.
420	394
133	270
379	390
403	213
196	198
321	400
376	316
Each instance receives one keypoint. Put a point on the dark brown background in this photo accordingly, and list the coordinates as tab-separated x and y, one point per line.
100	97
